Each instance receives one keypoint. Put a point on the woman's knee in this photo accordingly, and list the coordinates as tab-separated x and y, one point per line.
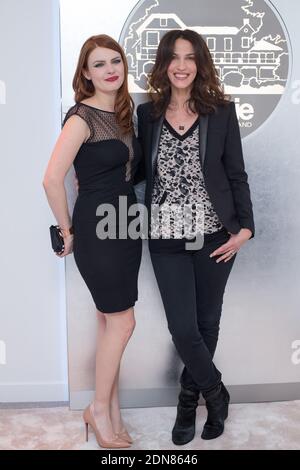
124	322
101	317
183	334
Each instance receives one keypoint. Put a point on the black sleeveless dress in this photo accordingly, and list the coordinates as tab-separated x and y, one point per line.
105	166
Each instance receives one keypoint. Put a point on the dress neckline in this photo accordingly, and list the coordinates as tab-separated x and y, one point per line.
97	109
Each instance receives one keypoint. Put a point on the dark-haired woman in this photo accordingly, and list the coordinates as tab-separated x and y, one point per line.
98	137
193	159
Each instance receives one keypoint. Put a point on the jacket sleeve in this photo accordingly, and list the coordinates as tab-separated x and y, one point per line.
235	169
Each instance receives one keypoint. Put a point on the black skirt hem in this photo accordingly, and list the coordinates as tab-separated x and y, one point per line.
110	310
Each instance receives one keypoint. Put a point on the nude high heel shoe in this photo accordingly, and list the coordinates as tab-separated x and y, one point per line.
125	436
116	443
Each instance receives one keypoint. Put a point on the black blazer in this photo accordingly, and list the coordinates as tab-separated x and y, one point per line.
222	162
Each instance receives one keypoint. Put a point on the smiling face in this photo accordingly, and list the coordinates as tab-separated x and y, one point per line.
105	68
182	69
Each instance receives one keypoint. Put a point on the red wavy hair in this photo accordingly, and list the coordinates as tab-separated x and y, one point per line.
84	88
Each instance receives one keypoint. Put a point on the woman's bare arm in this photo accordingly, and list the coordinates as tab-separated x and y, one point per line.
73	134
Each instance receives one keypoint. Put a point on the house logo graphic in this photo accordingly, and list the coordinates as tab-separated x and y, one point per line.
246	39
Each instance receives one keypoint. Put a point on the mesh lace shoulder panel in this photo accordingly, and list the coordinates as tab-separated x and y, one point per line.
85	114
103	126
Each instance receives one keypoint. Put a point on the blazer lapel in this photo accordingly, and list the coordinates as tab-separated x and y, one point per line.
156	131
203	125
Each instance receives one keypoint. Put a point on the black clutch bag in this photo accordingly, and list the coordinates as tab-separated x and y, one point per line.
57	240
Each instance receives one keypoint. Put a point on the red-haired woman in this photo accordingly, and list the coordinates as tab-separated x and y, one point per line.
98	137
193	160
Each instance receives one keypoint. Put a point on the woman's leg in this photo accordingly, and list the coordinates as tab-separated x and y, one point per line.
176	281
113	336
211	279
115	412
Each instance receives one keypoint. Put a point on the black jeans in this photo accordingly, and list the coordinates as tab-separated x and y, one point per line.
192	286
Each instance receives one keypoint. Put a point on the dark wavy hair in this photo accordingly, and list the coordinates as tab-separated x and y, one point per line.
84	88
206	93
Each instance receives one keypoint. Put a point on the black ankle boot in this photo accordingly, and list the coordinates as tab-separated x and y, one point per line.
184	428
217	401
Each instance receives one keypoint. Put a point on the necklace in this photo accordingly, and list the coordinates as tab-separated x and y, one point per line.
186	117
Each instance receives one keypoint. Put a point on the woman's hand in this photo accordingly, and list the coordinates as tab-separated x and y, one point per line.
232	246
68	242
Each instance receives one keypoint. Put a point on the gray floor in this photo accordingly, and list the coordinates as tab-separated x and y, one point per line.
249	426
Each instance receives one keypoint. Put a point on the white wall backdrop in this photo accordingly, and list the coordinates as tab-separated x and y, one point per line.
32	300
